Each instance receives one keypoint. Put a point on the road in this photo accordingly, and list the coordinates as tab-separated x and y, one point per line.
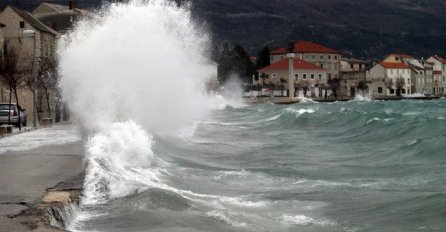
26	174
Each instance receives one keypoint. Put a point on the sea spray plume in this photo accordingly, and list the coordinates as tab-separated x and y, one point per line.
141	61
132	70
231	93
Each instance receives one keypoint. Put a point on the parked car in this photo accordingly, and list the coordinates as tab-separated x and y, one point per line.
12	112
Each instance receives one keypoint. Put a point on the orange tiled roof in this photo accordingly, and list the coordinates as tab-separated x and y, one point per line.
298	64
392	65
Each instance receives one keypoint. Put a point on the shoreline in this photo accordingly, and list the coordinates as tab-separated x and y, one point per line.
286	100
38	186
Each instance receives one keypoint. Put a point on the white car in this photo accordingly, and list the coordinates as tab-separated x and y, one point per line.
12	112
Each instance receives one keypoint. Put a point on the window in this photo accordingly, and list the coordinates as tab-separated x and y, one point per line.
312	76
320	76
322	57
335	57
329	57
380	89
274	75
351	66
22	24
313	57
305	76
322	65
296	76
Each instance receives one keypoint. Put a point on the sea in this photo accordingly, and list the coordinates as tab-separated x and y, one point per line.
343	166
164	154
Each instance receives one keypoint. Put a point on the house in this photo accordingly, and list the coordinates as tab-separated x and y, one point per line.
389	79
309	79
397	58
439	72
59	17
353	71
352	64
319	55
17	21
422	77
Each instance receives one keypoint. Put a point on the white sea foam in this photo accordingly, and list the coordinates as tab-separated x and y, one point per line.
303	220
58	134
300	111
297	219
373	120
363	97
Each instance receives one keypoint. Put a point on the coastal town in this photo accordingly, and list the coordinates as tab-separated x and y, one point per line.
319	72
132	116
30	77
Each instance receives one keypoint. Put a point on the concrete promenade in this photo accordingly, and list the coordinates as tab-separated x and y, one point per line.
26	175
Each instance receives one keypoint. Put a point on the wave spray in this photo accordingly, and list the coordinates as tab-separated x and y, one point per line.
131	71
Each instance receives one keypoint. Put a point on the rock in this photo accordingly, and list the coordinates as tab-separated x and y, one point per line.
57	197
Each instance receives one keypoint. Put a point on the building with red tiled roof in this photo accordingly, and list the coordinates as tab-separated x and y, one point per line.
317	54
389	79
439	66
308	77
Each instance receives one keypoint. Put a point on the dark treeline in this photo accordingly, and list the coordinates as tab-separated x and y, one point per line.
235	61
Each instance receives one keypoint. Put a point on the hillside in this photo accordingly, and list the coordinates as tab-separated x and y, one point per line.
364	28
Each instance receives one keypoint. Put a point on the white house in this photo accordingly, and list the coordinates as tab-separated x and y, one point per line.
439	65
387	78
309	78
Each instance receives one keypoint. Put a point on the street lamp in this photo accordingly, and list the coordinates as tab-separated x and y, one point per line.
32	33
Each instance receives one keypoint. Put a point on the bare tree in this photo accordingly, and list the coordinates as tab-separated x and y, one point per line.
389	84
399	83
48	79
334	86
14	74
362	85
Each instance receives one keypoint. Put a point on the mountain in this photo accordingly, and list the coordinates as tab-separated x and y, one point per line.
362	28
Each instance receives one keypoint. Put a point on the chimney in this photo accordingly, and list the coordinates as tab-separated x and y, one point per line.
72	4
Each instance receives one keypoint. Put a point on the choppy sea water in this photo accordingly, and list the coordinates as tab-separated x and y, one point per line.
345	166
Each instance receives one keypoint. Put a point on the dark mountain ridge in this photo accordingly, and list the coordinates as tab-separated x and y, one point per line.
362	28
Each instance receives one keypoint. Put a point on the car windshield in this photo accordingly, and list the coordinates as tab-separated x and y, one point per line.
6	107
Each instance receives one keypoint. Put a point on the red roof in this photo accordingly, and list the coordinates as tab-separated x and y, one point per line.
298	64
392	65
437	72
306	47
310	47
279	51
